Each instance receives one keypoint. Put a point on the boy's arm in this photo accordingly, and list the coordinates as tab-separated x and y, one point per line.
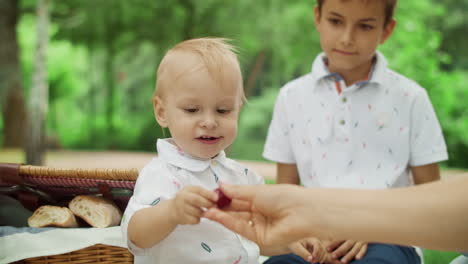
426	173
287	173
149	226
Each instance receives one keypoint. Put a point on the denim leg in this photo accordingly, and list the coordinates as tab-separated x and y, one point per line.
389	254
286	259
376	254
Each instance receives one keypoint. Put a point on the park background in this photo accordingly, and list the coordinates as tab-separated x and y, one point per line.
100	60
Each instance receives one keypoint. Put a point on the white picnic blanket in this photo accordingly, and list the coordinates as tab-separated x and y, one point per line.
25	242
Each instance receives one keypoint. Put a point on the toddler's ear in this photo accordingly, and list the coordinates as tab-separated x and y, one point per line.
159	111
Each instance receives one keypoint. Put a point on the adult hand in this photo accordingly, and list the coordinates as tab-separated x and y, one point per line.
347	250
260	213
312	250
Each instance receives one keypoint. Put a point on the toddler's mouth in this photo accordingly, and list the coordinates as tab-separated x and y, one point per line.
208	139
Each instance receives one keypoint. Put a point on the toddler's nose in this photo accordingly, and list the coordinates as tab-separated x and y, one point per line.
209	122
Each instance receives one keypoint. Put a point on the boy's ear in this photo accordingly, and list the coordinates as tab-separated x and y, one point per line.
159	111
388	30
316	16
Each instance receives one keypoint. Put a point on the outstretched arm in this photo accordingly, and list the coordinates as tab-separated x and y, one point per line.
433	215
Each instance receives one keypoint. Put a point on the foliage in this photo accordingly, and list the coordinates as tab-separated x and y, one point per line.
103	57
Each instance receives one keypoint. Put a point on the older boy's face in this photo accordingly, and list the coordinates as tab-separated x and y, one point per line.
202	114
350	32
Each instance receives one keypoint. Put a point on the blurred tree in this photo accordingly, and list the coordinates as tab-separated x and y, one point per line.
455	29
39	94
12	103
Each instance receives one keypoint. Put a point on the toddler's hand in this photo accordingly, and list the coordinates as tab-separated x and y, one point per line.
312	250
189	204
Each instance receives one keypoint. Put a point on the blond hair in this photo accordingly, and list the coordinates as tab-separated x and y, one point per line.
215	55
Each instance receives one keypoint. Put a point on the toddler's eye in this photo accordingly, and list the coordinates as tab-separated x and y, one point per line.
223	111
191	110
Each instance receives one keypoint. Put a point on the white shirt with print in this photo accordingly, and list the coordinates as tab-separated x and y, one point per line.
365	137
206	242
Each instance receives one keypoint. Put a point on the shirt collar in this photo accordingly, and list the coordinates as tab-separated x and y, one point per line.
174	155
320	69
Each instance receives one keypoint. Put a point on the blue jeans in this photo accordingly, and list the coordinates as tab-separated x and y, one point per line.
376	254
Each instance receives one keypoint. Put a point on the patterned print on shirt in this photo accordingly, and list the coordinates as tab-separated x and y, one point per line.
176	183
206	247
216	177
155	202
246	171
238	260
180	151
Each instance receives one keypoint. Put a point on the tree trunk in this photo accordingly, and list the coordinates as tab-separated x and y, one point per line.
256	71
12	102
110	84
39	93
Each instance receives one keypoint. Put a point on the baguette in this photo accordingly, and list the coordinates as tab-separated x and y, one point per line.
96	211
49	215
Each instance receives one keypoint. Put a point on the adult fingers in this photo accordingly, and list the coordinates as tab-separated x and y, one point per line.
241	192
240	226
351	253
362	251
299	249
343	249
332	245
239	205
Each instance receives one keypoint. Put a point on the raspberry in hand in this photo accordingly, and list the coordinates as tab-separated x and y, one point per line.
223	200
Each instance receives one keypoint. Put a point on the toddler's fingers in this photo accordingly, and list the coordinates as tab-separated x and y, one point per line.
193	211
200	201
192	220
208	194
200	191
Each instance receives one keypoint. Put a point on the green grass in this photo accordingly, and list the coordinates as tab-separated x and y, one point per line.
439	257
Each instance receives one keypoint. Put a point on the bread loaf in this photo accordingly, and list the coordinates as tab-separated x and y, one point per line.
49	215
96	211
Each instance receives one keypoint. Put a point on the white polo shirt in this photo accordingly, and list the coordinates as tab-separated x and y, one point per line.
206	242
365	137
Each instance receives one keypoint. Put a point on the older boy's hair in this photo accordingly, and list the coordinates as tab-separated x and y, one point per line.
390	6
215	54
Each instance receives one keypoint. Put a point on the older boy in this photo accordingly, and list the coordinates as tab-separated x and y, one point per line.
354	123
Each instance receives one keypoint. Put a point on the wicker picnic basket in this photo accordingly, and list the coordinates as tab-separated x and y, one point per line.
34	186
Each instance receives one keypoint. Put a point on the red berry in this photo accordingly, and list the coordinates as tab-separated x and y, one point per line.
223	200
